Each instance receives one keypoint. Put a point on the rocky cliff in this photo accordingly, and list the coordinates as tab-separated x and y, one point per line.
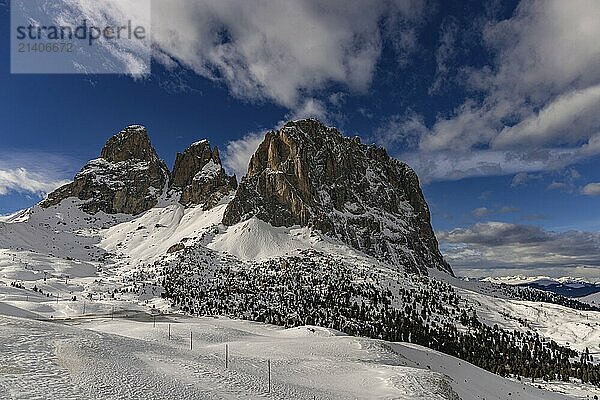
303	174
311	175
127	178
199	176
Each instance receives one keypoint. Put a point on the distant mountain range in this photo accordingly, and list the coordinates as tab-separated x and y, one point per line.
565	286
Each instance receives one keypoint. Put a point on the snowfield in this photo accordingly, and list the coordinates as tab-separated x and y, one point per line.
124	358
89	335
592	299
566	326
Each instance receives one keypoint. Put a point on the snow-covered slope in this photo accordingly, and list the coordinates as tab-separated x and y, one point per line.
111	263
63	230
566	326
593	299
123	358
257	240
18	216
150	235
65	251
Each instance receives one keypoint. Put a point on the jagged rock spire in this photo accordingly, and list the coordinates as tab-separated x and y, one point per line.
130	143
200	177
130	178
127	178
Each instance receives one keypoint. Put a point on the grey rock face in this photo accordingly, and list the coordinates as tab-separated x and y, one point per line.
130	178
311	175
199	176
127	178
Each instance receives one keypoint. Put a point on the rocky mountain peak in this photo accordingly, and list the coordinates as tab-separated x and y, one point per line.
130	143
190	162
127	178
199	175
309	174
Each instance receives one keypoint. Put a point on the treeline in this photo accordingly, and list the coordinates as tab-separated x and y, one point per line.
314	289
532	294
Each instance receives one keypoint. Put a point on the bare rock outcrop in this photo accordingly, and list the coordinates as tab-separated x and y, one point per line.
200	177
309	174
127	178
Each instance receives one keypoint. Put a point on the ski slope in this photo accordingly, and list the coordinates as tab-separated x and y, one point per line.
123	358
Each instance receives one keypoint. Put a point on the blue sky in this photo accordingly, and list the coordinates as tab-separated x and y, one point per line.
495	104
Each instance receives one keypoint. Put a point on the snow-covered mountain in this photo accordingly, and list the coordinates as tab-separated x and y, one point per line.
324	237
309	174
127	178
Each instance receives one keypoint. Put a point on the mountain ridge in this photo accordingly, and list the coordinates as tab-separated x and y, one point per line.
130	178
305	173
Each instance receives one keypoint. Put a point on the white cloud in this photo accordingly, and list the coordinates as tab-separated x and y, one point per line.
547	49
237	154
471	126
451	165
591	189
400	23
400	132
534	109
523	178
444	54
568	119
481	212
280	51
567	181
310	108
498	248
127	56
554	185
484	211
24	181
33	172
260	52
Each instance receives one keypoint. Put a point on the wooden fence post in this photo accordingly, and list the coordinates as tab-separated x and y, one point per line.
269	367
